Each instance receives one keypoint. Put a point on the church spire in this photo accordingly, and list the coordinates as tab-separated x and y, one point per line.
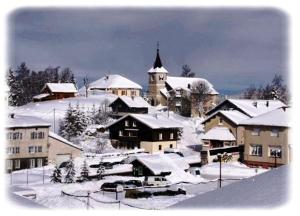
157	62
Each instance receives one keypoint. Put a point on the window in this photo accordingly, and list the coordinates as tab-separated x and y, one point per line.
41	135
275	151
160	137
33	135
133	124
171	145
159	147
133	93
256	150
115	92
171	136
123	92
129	133
161	77
152	78
126	123
31	149
31	163
17	164
256	132
17	150
39	162
221	120
275	133
120	133
40	149
9	164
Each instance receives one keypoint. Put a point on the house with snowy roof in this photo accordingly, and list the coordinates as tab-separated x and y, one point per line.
115	84
224	128
54	91
154	133
176	92
30	144
126	104
266	138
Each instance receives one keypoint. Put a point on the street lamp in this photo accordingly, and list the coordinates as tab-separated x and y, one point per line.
276	154
220	174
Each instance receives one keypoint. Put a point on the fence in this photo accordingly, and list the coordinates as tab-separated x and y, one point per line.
88	197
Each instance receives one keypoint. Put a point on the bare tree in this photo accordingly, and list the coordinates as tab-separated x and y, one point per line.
86	85
200	95
101	144
187	71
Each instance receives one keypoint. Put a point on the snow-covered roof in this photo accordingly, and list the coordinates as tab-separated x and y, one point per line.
159	163
19	121
233	115
165	92
186	82
61	87
40	96
154	121
269	189
63	140
114	81
219	133
157	70
137	102
278	117
252	107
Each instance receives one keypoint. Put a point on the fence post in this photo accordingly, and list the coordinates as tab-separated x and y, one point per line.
88	200
119	204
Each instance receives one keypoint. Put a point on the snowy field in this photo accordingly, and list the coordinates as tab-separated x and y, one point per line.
46	194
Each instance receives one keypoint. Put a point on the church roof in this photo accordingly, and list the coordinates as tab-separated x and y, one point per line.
157	66
157	62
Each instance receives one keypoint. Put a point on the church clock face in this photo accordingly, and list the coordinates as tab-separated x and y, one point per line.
161	77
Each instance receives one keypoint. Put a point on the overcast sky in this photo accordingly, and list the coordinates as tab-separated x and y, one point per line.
232	48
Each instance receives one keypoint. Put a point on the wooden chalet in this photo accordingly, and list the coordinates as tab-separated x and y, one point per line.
54	91
125	104
151	132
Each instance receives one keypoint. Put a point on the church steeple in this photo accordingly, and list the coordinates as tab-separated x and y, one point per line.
157	63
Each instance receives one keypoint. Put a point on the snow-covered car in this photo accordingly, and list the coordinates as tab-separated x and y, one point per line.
130	184
195	171
156	181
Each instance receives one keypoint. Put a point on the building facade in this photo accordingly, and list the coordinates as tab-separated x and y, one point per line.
152	133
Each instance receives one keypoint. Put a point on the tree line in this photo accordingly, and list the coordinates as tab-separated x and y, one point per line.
25	83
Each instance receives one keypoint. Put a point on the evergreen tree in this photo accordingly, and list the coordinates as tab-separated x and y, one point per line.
84	175
15	91
56	175
70	170
73	124
187	71
100	171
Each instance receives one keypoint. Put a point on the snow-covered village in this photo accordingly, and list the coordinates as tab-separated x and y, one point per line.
171	141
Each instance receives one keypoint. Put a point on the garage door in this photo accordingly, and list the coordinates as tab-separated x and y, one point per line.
61	158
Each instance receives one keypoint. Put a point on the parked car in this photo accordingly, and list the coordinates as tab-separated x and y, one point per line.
109	186
130	184
156	181
195	171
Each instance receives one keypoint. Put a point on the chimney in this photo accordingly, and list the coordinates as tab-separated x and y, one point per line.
12	115
284	108
255	103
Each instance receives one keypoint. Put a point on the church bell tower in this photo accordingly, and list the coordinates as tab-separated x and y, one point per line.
157	78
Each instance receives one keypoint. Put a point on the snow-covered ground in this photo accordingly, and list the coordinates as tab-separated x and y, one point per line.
49	194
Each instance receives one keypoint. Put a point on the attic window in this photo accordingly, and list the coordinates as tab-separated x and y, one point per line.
120	133
133	124
160	137
126	123
275	133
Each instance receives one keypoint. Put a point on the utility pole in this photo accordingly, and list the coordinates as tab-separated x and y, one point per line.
88	200
27	172
54	120
43	174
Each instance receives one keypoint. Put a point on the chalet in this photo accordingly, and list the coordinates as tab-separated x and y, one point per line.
30	144
54	91
153	133
175	92
266	137
115	84
125	104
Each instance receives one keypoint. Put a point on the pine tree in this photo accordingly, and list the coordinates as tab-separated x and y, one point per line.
70	170
73	124
84	174
100	171
56	175
15	91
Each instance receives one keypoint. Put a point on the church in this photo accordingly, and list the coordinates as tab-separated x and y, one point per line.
177	92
